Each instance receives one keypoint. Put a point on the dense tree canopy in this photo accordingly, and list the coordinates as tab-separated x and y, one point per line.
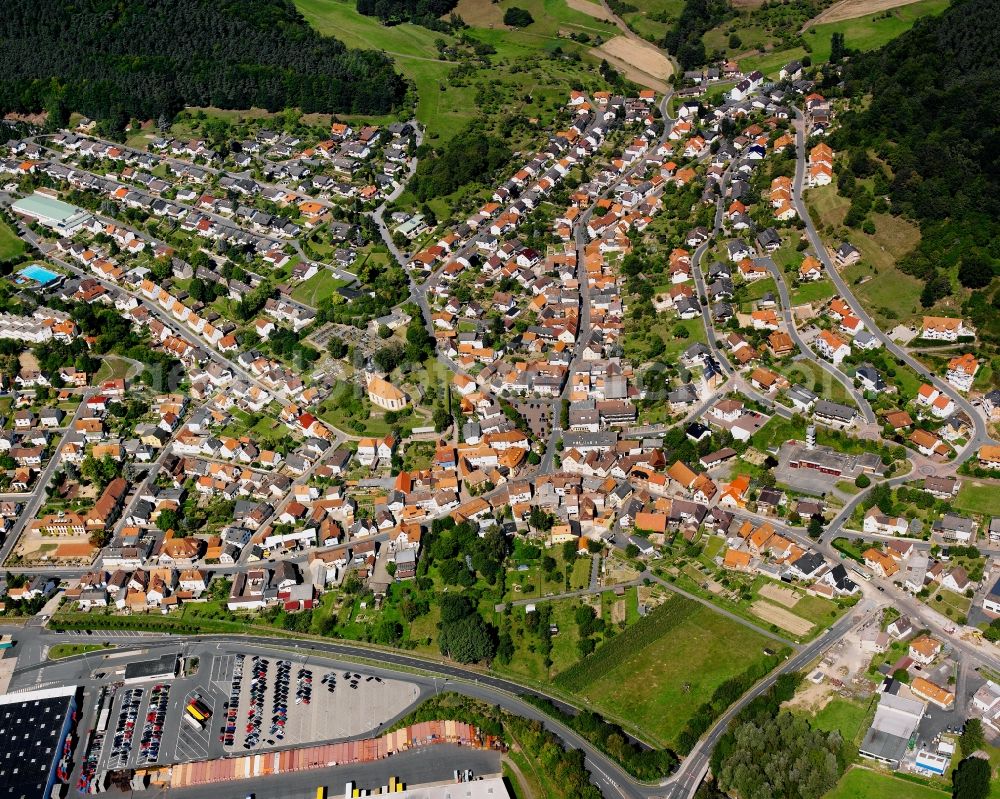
472	155
783	758
422	12
684	38
931	119
116	59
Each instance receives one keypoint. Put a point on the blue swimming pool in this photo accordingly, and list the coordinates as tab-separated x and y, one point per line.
39	274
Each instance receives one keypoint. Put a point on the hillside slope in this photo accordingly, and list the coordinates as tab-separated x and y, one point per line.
932	120
112	59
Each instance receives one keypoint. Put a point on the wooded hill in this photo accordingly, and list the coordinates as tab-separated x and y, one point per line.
933	120
115	59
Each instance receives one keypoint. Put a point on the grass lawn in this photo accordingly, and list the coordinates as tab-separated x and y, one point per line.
112	368
814	377
777	430
816	291
69	650
675	344
860	783
843	715
322	284
10	243
657	687
957	604
978	497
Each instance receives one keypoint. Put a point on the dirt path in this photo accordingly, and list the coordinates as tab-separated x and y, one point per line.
849	9
522	782
591	9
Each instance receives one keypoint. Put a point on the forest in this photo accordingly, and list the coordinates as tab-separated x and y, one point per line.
113	60
931	121
473	155
684	38
420	12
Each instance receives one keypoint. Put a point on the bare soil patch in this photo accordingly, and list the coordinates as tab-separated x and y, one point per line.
780	594
595	10
618	612
849	9
641	62
784	619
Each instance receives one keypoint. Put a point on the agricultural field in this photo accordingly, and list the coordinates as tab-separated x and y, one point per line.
654	676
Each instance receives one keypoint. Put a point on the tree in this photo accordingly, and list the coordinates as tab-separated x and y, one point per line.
862	481
387	632
517	17
505	648
735	42
336	347
836	47
971	780
901	675
975	272
168	520
390	568
815	526
972	738
468	640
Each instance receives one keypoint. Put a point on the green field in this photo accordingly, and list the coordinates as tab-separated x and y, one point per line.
11	244
650	19
112	368
843	715
861	783
655	687
446	105
60	651
887	293
868	33
815	291
861	33
978	497
814	377
322	284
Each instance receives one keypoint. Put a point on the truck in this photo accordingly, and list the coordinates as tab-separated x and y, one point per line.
192	721
321	792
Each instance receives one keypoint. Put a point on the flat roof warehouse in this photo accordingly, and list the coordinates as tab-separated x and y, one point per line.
163	668
52	213
33	728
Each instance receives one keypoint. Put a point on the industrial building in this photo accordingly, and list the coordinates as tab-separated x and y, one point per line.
35	728
895	723
63	218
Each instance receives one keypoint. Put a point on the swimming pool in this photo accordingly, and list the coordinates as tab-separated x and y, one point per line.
39	274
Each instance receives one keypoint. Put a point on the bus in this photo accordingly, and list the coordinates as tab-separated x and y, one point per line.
197	709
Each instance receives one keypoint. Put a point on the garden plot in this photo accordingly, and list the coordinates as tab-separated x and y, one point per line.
784	619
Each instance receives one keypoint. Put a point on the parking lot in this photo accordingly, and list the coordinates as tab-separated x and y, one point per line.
295	701
285	702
